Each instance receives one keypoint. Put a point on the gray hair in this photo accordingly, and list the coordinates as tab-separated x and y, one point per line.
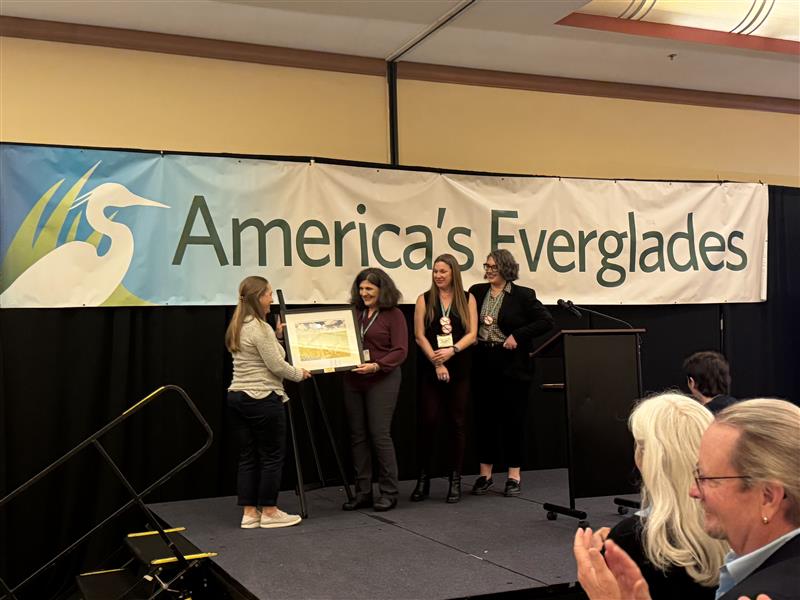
768	448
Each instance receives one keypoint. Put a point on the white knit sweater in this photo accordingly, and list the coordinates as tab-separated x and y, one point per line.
259	367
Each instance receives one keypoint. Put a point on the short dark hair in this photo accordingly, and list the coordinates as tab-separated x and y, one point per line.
710	372
506	265
389	295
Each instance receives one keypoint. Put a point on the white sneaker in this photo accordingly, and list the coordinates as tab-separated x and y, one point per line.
279	519
250	522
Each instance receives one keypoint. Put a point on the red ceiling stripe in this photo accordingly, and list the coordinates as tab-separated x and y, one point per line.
678	32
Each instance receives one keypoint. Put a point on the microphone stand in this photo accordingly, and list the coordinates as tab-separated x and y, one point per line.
599	314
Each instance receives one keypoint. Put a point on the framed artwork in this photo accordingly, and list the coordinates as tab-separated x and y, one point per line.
322	340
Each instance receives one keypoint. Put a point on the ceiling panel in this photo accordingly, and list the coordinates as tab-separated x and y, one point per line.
550	49
506	35
369	31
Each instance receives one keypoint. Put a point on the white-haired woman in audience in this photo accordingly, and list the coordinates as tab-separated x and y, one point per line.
666	538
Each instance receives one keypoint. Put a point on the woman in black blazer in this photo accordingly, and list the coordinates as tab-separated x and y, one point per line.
510	317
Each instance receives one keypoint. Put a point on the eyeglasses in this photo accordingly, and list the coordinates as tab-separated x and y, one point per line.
701	479
488	267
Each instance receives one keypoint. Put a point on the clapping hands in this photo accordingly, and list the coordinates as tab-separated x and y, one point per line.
615	577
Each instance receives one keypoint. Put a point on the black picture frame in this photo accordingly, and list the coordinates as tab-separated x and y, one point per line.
322	339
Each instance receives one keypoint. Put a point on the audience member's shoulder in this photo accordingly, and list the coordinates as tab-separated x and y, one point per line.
778	577
719	402
627	527
627	534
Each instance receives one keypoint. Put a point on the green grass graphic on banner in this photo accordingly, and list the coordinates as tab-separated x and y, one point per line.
27	247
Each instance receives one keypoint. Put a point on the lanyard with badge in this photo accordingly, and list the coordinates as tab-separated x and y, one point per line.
365	328
445	339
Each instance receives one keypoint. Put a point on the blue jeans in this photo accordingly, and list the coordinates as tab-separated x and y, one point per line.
260	429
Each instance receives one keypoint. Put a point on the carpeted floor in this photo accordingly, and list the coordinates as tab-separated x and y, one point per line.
481	545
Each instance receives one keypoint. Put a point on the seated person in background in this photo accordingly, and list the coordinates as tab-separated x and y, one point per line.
666	538
709	379
748	484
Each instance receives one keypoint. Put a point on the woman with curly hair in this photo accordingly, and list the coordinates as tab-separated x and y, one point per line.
509	318
370	390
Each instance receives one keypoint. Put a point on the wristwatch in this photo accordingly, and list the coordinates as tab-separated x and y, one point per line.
456	349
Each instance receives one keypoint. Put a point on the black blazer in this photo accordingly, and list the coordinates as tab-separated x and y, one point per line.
778	577
719	402
524	317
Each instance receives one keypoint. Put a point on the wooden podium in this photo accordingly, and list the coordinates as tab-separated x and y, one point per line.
601	382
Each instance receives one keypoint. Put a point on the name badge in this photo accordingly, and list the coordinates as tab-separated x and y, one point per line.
366	355
444	341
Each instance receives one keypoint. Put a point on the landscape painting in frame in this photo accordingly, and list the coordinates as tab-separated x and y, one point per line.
323	340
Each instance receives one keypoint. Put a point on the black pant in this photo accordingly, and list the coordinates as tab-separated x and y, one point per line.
369	414
450	399
501	405
260	428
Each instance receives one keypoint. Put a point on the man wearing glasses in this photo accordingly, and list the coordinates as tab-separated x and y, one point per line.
748	482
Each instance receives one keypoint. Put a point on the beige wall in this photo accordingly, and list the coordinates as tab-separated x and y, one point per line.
490	129
91	96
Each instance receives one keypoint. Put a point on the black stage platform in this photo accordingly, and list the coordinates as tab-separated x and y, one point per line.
483	545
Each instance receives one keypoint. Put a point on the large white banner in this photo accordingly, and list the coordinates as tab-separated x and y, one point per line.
94	227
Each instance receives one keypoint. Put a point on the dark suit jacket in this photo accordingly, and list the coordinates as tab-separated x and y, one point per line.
778	577
522	316
719	402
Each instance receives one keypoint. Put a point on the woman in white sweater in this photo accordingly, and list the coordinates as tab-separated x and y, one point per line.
255	400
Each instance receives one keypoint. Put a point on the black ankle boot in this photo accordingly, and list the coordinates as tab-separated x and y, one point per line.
454	493
358	501
423	488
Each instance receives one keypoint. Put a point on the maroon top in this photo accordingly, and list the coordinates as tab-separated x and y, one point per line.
387	342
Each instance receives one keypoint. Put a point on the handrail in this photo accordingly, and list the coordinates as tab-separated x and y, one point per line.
137	496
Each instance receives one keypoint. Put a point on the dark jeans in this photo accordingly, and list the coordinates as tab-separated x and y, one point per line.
369	414
501	405
260	428
438	398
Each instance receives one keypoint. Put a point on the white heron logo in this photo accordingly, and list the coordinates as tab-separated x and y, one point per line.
74	273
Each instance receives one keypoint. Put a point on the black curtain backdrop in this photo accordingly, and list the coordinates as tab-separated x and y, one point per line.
67	372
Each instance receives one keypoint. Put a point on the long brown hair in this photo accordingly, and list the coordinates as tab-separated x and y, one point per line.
250	290
459	301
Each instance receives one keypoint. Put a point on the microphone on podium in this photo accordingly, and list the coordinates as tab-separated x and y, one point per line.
569	307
